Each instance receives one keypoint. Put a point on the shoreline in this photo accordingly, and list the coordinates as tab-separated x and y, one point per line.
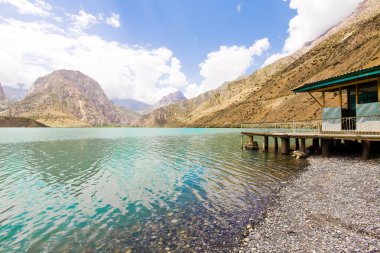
333	206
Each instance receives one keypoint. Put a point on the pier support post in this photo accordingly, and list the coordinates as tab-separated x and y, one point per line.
275	144
316	143
242	142
325	147
316	147
285	143
297	144
266	144
303	145
251	145
366	150
250	139
337	145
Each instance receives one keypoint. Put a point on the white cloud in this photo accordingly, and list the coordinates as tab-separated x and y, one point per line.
36	8
174	76
238	8
314	17
114	20
84	20
226	64
33	49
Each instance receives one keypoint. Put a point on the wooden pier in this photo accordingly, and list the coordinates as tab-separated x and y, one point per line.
354	119
321	142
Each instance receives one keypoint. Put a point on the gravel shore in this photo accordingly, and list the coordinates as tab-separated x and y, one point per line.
334	206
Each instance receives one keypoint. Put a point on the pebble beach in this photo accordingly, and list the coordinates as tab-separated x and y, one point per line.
334	206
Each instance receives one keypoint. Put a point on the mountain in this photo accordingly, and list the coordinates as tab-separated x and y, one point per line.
144	108
131	104
2	94
15	94
67	98
266	95
170	99
187	112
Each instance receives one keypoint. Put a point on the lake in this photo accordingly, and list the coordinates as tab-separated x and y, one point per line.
132	189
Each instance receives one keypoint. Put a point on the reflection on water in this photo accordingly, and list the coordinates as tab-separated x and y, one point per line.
142	189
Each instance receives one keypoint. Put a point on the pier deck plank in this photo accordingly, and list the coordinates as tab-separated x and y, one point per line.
332	136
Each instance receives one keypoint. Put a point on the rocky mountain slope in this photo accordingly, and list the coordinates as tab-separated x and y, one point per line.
131	104
169	99
69	98
2	94
266	96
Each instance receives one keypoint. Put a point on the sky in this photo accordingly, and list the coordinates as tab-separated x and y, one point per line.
145	49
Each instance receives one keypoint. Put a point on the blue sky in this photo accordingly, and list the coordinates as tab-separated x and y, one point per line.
144	49
193	28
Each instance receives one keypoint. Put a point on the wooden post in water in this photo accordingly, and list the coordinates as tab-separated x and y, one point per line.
275	144
266	144
285	146
303	145
251	145
250	139
297	143
241	141
325	147
366	150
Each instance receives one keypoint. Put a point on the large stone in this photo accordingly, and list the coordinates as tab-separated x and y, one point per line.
299	154
252	145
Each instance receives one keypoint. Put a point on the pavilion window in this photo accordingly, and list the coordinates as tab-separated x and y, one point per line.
368	93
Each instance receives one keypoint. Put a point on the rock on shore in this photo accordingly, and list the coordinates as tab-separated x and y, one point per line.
332	207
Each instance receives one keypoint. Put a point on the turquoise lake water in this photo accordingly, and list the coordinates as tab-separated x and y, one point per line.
145	190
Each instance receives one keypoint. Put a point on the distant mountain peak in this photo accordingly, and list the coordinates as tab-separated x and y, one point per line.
169	99
131	104
15	93
68	77
2	94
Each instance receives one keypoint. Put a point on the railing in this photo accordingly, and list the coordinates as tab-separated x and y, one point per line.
365	125
368	125
312	126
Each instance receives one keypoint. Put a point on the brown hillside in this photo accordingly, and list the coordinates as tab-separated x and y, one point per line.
337	55
19	122
266	95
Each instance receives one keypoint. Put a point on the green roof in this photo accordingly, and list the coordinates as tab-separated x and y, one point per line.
346	78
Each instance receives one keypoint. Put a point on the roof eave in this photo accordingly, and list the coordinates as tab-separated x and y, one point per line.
361	74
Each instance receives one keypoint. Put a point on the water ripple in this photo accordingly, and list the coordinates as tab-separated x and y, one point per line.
140	189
